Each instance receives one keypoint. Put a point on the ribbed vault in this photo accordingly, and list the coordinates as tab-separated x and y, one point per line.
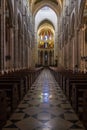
48	22
36	5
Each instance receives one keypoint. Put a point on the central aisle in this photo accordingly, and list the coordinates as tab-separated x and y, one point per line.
45	107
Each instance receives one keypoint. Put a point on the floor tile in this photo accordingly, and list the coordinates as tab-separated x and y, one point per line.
44	107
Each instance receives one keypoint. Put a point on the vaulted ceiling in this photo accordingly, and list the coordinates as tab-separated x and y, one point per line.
56	5
47	22
54	1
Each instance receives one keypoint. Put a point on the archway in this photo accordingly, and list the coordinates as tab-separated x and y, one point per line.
45	28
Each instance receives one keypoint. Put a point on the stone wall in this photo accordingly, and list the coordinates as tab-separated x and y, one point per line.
16	35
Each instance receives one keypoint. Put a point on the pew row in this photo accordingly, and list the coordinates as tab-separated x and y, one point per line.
74	85
15	85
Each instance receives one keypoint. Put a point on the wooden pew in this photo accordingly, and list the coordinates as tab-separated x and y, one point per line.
3	108
22	75
16	85
68	89
13	80
11	90
84	115
78	90
74	85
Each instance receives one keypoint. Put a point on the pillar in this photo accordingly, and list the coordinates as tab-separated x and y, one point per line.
15	35
3	35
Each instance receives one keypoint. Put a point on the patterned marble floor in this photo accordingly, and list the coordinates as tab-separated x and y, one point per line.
44	107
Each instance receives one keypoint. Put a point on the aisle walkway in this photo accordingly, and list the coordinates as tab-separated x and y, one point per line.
44	108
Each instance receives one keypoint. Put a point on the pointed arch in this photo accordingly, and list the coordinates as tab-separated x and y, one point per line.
46	21
11	11
43	4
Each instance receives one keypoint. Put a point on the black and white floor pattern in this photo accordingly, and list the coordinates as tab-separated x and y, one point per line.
44	107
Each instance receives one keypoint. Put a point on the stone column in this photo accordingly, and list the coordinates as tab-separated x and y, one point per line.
84	48
52	57
11	47
3	35
20	50
43	58
73	49
38	56
22	43
28	57
76	34
48	58
15	35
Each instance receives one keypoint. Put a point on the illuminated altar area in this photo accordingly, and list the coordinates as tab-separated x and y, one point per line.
45	40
